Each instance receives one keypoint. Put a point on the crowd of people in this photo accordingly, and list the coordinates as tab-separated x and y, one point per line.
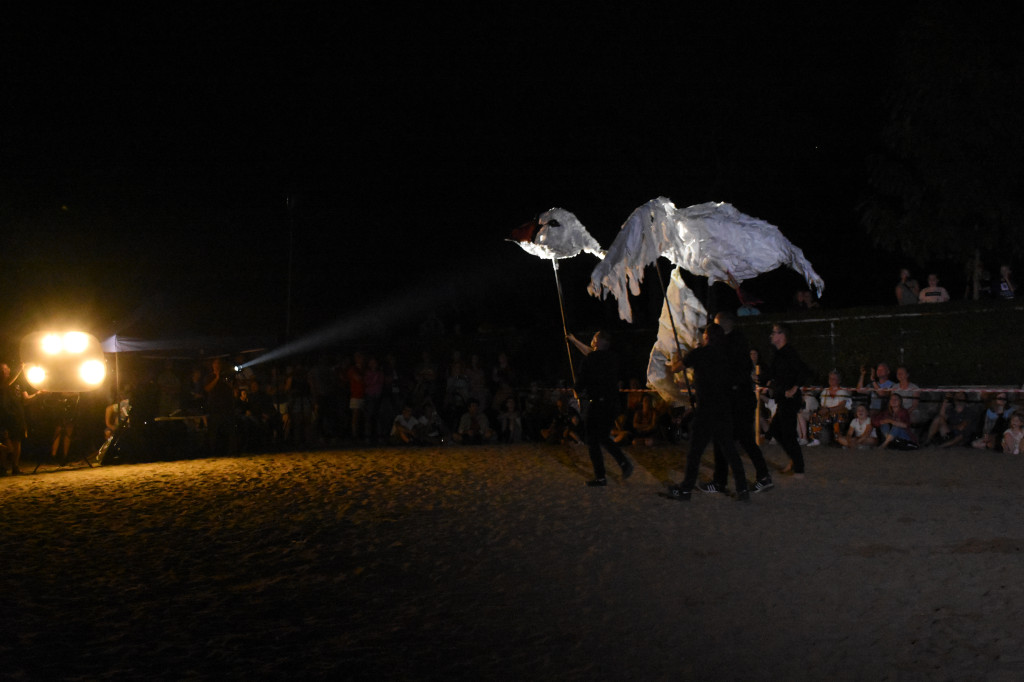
979	286
232	405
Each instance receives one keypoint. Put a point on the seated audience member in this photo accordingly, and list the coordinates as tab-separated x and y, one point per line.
861	432
907	289
1006	289
407	428
1013	435
565	425
909	393
877	388
510	422
474	428
645	422
952	425
835	403
993	423
803	420
933	293
893	425
433	429
622	433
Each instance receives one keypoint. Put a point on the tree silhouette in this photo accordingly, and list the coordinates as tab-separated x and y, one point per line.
947	184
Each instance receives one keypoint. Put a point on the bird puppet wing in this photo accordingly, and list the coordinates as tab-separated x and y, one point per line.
711	239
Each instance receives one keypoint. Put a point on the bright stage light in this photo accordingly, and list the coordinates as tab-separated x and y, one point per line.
75	342
36	375
64	362
92	372
51	344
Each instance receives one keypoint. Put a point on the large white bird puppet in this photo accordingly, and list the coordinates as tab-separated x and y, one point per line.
713	240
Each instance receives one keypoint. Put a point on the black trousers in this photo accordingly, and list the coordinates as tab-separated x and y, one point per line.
744	402
783	430
713	426
599	421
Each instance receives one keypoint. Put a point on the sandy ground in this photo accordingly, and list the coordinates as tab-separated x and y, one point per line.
498	563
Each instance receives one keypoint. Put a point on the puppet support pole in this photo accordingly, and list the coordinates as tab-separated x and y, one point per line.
565	330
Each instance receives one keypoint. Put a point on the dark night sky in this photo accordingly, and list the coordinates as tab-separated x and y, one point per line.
146	159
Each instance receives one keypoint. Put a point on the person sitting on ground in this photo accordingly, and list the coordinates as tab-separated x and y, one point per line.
645	422
994	422
407	429
952	425
1012	436
933	293
564	426
510	422
622	433
803	420
909	393
907	289
893	425
432	428
861	432
835	407
1006	289
474	428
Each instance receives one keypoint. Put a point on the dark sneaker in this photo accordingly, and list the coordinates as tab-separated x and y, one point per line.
627	470
763	484
743	496
677	493
597	482
712	487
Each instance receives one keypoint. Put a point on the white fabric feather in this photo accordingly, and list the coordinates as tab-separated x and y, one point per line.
712	239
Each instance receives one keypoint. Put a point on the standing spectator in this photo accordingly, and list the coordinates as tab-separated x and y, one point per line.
325	390
908	291
300	407
169	384
933	293
357	393
503	378
13	427
373	385
220	409
1006	289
